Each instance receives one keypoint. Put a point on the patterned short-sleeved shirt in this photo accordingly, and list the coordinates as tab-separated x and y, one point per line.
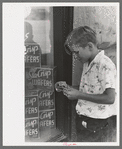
96	78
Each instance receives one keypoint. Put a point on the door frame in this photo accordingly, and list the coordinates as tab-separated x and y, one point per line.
62	25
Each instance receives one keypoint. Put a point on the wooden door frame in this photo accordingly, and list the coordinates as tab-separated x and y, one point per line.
62	25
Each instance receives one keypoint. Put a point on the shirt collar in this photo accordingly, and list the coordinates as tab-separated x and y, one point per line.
98	56
95	60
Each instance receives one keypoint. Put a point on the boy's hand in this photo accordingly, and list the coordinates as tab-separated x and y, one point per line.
71	93
59	86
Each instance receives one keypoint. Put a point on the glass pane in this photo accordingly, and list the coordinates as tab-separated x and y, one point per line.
40	120
38	31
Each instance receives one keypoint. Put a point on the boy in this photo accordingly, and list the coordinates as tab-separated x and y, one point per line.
96	106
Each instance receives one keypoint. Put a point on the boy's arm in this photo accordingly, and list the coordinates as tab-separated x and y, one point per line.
108	79
107	97
75	87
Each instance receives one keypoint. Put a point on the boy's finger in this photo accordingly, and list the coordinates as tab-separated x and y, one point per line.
64	90
65	94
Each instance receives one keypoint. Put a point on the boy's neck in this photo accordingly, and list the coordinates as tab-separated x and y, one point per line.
93	56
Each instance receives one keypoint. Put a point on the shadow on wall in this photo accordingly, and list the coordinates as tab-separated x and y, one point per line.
102	19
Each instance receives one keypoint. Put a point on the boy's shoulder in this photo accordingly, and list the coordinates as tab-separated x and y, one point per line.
106	61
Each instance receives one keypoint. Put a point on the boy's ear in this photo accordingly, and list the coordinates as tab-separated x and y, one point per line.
90	44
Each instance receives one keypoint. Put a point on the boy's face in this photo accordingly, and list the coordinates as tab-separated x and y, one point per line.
83	54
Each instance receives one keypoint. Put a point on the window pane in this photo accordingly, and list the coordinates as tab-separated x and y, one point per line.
39	31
